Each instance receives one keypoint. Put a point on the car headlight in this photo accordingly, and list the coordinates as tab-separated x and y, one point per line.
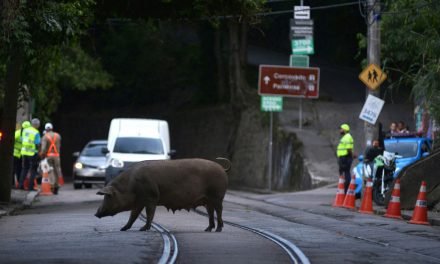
117	163
78	165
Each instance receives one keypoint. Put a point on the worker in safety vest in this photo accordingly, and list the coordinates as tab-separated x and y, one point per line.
30	138
50	149
17	150
344	153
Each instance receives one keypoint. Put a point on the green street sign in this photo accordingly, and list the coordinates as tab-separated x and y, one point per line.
299	61
271	103
303	46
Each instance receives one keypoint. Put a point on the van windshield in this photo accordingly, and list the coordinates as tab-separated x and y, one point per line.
138	145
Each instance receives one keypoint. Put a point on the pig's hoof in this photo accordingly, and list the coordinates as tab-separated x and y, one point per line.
219	229
124	228
208	229
144	228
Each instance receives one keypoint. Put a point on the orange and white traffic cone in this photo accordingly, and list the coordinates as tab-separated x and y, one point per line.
350	197
340	193
45	182
45	185
420	214
393	210
367	199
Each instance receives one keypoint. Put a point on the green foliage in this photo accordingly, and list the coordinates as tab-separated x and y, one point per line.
48	33
411	47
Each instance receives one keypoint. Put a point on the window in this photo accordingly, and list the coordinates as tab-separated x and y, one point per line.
404	149
94	150
137	145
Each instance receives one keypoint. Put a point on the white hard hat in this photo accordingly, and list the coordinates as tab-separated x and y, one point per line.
48	126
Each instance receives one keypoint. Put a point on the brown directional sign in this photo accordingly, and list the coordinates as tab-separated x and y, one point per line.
372	76
288	81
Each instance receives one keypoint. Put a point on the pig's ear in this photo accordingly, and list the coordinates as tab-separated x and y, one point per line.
106	190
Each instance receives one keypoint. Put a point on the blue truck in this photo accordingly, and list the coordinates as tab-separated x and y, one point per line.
409	149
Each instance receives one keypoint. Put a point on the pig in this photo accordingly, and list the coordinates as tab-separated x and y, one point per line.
175	184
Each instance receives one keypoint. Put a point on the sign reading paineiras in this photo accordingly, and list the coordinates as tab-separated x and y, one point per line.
371	110
372	76
288	81
301	12
271	103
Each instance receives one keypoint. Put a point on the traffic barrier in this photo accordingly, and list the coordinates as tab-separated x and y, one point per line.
420	214
350	197
367	199
393	210
45	182
340	193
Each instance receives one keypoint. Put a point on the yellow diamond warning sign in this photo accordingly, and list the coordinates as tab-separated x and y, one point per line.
372	76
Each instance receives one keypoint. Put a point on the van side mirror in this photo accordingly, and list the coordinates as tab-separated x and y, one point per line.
75	154
104	150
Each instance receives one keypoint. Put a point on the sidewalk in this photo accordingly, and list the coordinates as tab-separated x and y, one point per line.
20	199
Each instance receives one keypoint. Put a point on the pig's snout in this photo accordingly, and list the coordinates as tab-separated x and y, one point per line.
99	213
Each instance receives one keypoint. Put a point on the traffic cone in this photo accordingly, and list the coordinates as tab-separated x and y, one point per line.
60	180
45	184
350	197
340	193
393	210
420	214
367	199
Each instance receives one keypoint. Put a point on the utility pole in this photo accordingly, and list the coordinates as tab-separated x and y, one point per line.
373	54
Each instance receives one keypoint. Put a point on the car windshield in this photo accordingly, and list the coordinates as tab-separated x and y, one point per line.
93	150
138	145
404	149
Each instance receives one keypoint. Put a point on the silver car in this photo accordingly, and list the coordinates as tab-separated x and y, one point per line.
89	167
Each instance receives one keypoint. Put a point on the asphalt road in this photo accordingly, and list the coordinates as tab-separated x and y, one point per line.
62	229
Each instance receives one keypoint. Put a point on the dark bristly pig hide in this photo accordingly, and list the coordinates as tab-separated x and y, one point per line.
175	184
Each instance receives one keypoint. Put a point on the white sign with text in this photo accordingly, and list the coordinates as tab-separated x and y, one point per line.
371	110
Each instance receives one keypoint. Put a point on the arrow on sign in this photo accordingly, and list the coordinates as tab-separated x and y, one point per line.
266	80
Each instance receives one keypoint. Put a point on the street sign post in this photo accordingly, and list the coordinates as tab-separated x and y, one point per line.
301	28
288	81
271	103
372	76
303	46
301	12
371	110
299	61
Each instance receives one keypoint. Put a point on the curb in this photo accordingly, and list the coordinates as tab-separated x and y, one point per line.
19	201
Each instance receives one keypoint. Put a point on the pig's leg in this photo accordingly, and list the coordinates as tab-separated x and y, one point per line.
218	211
210	211
150	210
133	216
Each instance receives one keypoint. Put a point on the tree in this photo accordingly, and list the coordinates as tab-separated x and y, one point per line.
411	49
40	40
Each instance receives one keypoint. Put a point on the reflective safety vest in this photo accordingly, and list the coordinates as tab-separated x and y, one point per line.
29	148
17	144
52	151
345	144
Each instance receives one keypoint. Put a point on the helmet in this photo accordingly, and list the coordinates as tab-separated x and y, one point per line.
345	127
35	122
48	126
26	124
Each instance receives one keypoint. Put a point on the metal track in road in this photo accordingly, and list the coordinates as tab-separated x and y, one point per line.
170	247
295	254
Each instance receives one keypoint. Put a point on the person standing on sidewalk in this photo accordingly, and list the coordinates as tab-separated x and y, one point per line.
344	153
50	149
16	172
29	153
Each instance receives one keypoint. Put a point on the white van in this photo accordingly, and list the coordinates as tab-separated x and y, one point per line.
131	140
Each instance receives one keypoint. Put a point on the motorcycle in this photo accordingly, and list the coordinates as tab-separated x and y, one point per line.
382	175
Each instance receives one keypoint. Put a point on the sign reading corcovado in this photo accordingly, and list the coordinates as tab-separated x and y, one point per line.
288	81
